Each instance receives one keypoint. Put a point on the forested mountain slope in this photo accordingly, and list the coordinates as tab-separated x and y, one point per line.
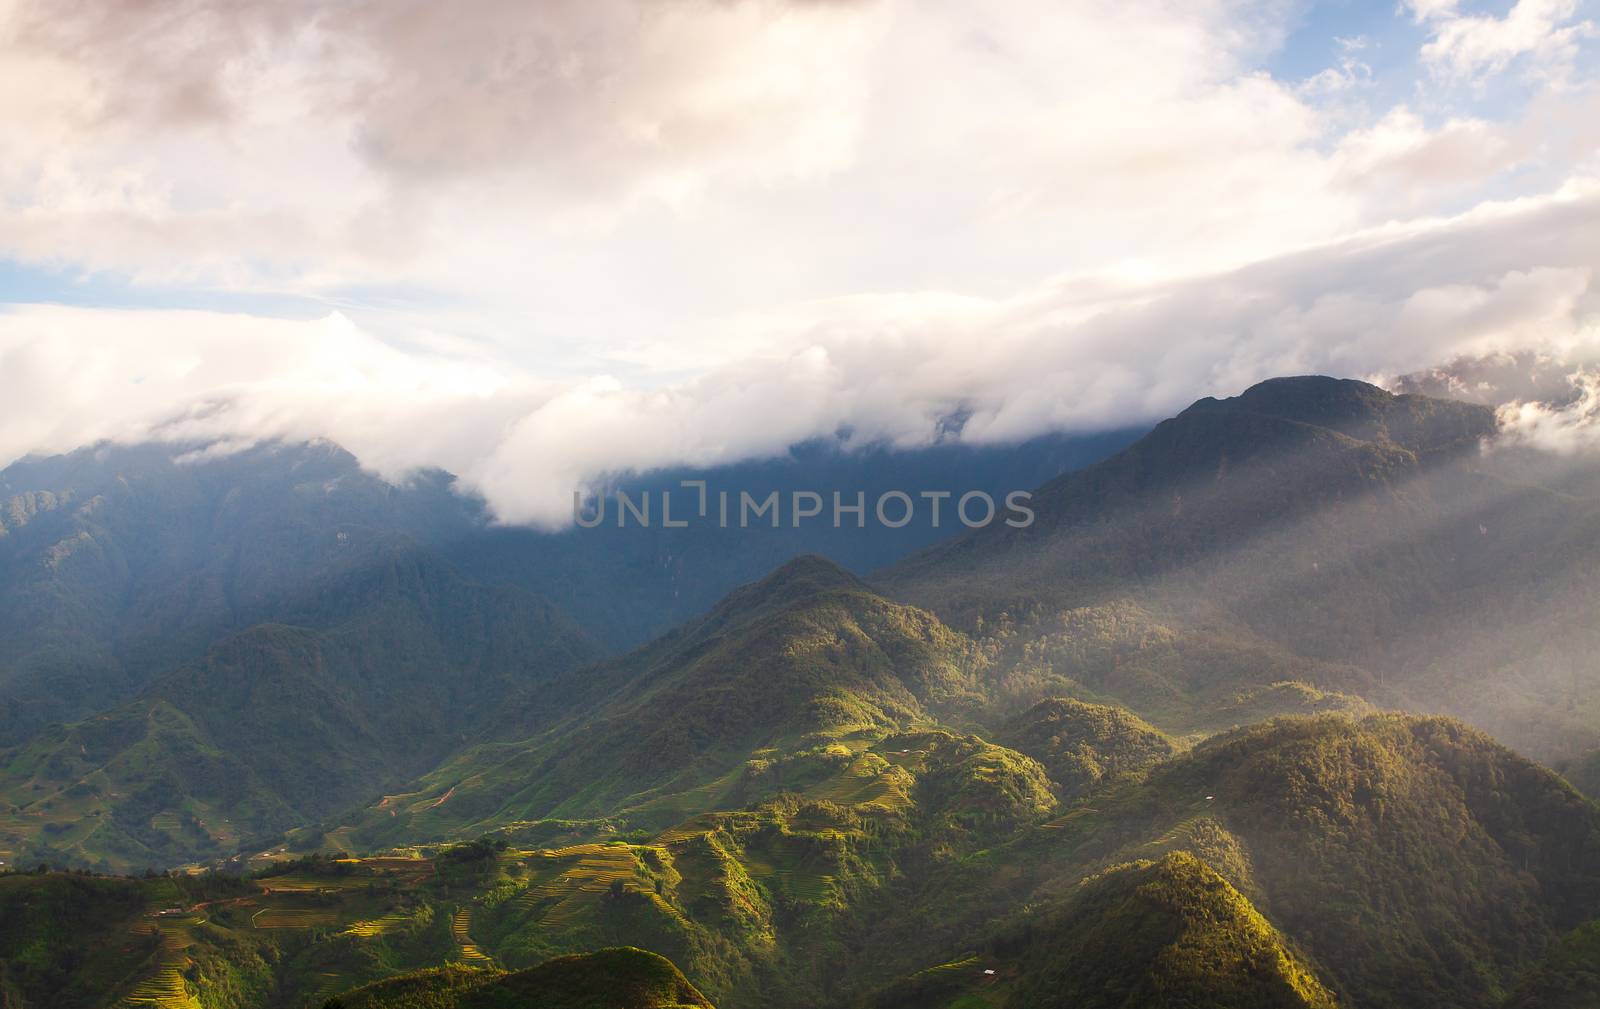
802	657
118	563
1381	544
1416	862
1032	767
280	725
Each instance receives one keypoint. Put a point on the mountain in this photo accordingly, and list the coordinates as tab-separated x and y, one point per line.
1132	754
280	725
1200	487
207	646
1161	934
119	562
1411	861
1085	746
607	979
1310	534
806	656
627	585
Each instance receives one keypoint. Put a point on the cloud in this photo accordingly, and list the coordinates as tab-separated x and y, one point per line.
595	166
1067	355
243	142
1469	47
1563	427
582	236
72	376
1504	377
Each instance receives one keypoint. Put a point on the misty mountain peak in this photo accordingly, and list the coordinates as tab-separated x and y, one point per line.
1360	410
1312	399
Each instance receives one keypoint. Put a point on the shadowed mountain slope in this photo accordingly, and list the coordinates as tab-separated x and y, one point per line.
118	563
808	651
1364	539
608	979
280	725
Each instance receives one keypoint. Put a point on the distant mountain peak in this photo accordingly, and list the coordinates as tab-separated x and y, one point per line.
1311	399
796	582
812	570
1359	410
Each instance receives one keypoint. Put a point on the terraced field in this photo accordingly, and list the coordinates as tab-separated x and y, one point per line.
377	926
783	874
402	864
1062	822
870	781
690	829
311	884
293	917
581	870
1181	834
461	927
332	983
580	875
165	988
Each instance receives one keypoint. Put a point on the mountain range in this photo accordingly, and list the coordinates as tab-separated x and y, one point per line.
1261	710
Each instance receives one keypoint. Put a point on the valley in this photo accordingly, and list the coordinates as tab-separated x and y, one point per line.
1211	733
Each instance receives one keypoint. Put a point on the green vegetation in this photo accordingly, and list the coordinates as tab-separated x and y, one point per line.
1567	978
1083	746
1400	861
623	978
1417	862
806	657
1163	934
274	728
66	939
1133	756
1310	532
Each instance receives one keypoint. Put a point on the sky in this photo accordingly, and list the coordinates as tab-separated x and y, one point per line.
539	243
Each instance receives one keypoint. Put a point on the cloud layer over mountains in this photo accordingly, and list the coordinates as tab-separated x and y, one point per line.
534	244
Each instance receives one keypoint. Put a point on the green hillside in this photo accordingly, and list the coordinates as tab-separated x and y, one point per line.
1136	755
1418	862
1567	978
1085	746
623	978
1167	934
70	940
280	726
1396	861
806	657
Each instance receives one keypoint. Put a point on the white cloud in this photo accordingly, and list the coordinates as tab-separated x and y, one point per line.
1081	355
1468	47
595	167
1422	10
626	233
1562	428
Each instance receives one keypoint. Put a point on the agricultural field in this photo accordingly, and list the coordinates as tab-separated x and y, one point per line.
165	986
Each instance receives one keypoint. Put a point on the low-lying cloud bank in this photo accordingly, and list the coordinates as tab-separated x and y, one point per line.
1516	278
1564	426
580	237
